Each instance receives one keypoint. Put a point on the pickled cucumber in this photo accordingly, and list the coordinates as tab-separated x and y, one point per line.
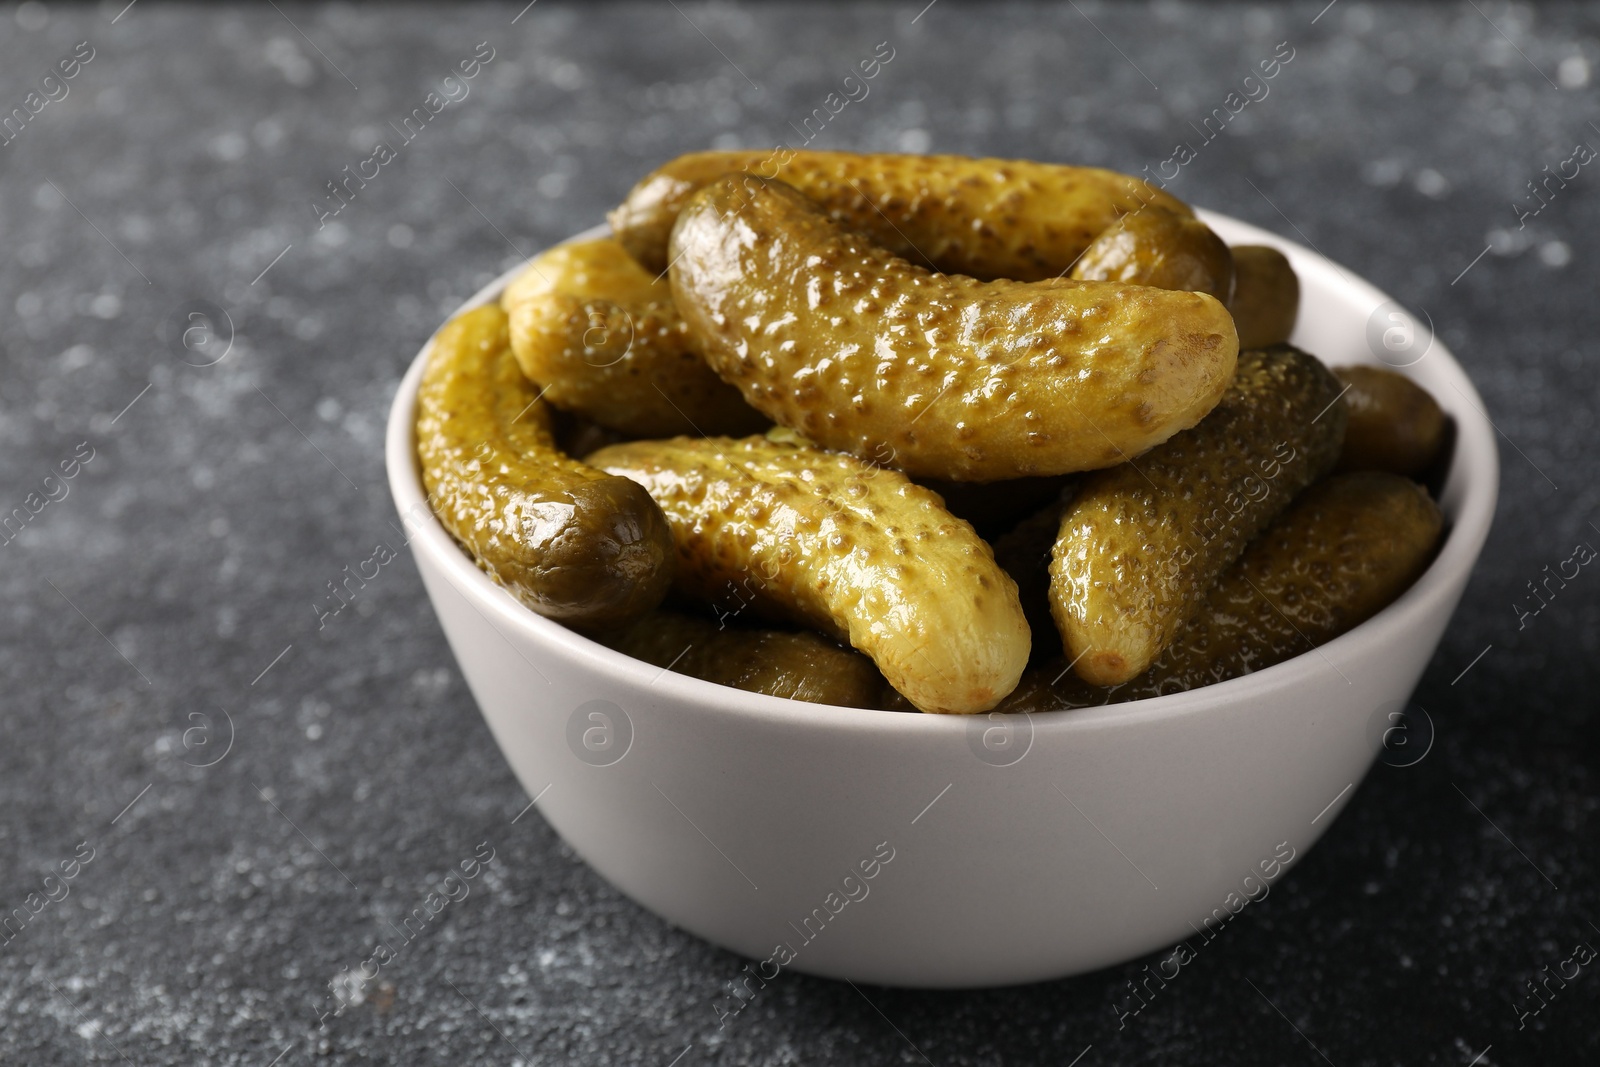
858	552
1343	551
941	376
799	666
988	218
569	541
1395	425
1266	296
1142	543
1160	248
604	340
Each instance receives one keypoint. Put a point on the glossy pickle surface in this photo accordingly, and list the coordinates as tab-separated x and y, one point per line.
1344	550
988	218
939	375
1142	543
1266	296
1160	248
604	340
571	542
858	552
1395	424
799	666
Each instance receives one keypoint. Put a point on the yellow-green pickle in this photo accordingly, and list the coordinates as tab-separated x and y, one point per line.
800	666
988	218
1345	550
1142	543
1160	248
605	340
939	375
858	552
569	541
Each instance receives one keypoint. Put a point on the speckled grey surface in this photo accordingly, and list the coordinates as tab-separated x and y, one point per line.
189	551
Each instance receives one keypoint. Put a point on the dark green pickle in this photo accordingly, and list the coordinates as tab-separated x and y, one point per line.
1266	296
1395	424
1143	542
1346	549
799	666
572	543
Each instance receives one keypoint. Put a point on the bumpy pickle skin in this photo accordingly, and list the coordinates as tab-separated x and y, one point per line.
938	375
569	541
989	218
1395	424
1346	549
860	553
1157	247
604	340
1266	296
1142	543
798	666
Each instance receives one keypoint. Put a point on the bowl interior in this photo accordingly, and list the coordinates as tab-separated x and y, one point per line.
1339	313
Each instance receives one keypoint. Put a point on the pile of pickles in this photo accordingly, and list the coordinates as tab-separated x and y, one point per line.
925	433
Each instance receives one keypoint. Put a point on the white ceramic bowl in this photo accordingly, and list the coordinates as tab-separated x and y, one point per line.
1019	850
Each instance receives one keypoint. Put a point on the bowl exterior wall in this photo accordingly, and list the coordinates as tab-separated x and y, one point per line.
1094	847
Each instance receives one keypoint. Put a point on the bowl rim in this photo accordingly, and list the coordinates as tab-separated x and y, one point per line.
1475	464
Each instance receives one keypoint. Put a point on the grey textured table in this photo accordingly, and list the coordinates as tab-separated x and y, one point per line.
172	590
